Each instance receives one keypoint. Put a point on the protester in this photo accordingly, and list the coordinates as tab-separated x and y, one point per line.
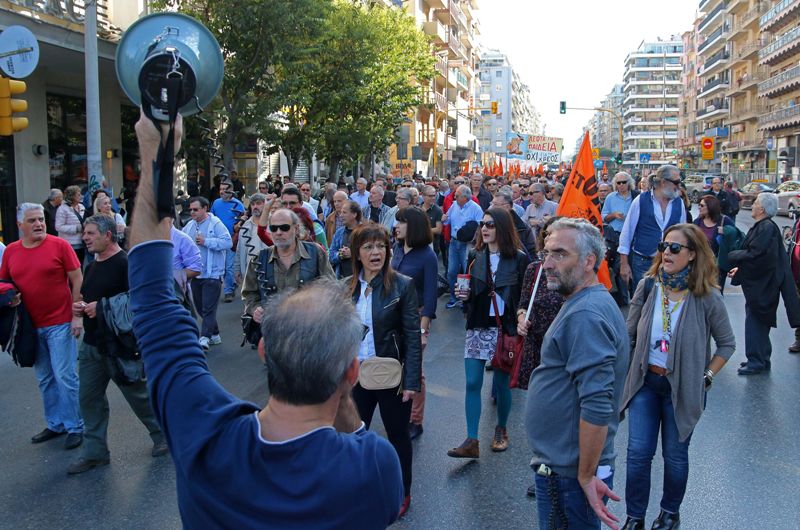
650	214
214	240
271	453
434	214
712	223
250	245
462	218
498	267
603	189
615	210
574	397
69	220
326	203
54	200
228	209
305	189
721	195
525	234
480	192
412	256
106	277
309	230
341	253
540	209
761	268
236	185
102	206
47	274
186	264
733	200
333	221
794	265
376	211
675	312
361	195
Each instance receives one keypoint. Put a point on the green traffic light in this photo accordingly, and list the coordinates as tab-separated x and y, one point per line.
563	107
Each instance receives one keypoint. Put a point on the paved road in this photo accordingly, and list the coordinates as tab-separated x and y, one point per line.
745	455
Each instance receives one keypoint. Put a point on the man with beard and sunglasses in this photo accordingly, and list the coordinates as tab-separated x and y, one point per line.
574	395
289	264
650	214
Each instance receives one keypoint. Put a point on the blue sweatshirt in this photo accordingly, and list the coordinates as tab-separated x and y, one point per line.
581	377
227	475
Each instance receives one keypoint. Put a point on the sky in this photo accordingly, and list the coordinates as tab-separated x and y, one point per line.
574	50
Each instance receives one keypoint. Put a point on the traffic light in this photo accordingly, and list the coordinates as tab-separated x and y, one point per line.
494	107
9	124
563	108
618	159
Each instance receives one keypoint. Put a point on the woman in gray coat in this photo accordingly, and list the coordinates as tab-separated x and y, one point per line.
676	310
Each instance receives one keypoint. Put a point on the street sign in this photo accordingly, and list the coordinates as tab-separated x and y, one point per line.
598	164
19	52
707	148
595	153
644	158
770	143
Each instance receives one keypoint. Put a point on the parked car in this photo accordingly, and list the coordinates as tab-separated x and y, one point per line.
750	191
788	197
697	185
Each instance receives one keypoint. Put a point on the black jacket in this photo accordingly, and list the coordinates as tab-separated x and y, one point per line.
396	325
50	217
526	235
508	285
724	204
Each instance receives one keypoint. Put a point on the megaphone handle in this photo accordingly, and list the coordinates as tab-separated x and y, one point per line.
164	165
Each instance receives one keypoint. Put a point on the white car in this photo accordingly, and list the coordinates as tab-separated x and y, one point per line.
788	197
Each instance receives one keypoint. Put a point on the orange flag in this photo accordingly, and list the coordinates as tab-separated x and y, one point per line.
485	169
580	198
499	171
605	169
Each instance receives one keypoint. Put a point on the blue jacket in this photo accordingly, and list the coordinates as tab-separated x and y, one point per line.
218	240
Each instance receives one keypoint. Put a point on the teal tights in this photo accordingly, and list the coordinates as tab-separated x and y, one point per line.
472	403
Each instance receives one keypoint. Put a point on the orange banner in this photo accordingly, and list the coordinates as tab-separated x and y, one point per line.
580	198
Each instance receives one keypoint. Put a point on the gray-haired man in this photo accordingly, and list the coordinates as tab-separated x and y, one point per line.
249	243
578	385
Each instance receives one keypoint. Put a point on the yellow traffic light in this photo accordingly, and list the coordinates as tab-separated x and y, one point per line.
494	107
8	106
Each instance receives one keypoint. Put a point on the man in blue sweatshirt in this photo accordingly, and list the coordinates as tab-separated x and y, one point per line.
303	461
573	404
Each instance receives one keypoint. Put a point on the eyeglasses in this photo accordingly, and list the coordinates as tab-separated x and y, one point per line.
194	209
458	182
487	224
369	247
364	332
431	196
556	255
674	248
290	204
282	228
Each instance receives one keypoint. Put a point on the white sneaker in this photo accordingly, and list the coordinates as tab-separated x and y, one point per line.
215	339
204	342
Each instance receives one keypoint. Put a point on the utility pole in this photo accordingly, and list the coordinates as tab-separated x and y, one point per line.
93	158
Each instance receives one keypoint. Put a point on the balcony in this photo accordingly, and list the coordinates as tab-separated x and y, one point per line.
735	146
780	119
661	109
746	113
650	134
456	47
713	86
746	52
462	80
715	63
779	16
436	100
436	4
441	65
712	110
782	83
715	37
435	29
712	16
785	46
748	80
744	20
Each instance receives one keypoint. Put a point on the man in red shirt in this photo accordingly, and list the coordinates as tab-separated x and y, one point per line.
47	274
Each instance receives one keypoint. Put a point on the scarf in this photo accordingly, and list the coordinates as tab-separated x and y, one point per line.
677	281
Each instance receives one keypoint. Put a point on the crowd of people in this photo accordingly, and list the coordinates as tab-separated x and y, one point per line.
369	266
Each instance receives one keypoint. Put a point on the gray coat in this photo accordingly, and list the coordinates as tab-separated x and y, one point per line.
690	351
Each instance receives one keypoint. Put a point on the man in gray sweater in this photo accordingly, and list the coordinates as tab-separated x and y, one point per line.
573	404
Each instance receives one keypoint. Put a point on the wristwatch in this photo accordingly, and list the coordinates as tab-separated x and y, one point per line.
424	331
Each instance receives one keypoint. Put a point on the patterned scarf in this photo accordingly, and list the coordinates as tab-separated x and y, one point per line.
677	281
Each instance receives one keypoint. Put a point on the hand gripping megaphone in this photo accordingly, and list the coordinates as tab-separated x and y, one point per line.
169	53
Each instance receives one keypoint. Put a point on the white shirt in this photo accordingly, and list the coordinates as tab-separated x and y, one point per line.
632	219
494	261
364	309
657	357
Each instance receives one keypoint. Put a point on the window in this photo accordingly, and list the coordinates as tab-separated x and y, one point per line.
66	137
498	73
498	88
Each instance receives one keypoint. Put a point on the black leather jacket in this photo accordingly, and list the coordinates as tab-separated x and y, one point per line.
396	325
508	285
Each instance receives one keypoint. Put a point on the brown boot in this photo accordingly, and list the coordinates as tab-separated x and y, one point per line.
500	440
469	449
795	348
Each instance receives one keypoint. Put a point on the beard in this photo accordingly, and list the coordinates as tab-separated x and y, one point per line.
564	283
671	194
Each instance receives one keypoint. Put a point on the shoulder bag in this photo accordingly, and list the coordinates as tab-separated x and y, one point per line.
509	348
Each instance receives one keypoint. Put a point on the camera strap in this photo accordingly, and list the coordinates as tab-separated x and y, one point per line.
164	165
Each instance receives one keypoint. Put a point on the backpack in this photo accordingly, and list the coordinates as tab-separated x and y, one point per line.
17	334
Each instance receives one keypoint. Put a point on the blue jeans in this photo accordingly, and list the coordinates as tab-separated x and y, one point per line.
230	281
56	371
456	264
566	494
649	411
639	266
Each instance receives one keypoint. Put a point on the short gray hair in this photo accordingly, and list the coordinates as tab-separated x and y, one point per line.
428	188
361	180
54	193
407	194
505	195
379	189
304	366
258	197
25	206
464	190
295	218
538	187
769	202
588	239
104	223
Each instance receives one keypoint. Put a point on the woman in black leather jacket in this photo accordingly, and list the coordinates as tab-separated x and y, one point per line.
387	304
498	262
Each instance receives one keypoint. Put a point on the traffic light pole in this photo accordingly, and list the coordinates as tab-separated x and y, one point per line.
93	150
610	111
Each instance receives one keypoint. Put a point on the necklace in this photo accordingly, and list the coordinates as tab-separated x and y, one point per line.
666	318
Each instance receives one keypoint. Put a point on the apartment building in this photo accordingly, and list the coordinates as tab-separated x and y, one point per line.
605	126
779	93
689	132
650	106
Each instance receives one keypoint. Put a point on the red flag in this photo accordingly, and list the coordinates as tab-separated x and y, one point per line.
580	198
498	172
485	169
605	170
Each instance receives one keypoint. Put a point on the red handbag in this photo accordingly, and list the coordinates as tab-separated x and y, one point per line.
509	348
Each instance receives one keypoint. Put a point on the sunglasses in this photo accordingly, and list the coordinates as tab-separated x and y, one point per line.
487	224
282	228
674	248
290	204
620	182
676	182
458	182
194	209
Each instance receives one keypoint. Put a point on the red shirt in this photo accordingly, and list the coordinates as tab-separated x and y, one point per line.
448	202
40	273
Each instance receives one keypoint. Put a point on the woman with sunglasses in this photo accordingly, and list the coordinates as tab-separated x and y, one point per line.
498	265
712	223
675	312
387	304
413	256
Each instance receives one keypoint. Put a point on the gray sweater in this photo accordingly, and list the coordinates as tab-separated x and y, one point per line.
690	350
584	361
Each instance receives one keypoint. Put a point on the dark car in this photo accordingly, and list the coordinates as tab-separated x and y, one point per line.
750	191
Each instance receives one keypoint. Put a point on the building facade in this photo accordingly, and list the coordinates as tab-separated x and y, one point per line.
652	82
689	132
605	131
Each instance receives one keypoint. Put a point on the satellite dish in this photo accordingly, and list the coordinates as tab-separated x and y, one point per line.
19	52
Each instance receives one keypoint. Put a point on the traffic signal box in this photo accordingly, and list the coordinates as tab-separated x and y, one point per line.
494	107
8	106
563	107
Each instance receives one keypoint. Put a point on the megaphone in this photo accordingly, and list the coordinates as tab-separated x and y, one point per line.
165	46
